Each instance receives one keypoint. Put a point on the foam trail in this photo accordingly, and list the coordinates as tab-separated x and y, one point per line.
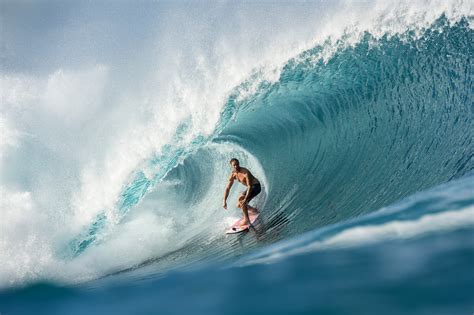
366	235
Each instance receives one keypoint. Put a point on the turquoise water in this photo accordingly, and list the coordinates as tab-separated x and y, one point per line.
366	158
425	271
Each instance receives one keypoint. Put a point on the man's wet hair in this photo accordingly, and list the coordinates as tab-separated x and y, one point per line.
234	160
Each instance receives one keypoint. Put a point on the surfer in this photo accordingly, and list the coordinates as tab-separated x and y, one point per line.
246	178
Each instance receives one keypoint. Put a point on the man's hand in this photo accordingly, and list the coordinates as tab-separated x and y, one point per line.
224	205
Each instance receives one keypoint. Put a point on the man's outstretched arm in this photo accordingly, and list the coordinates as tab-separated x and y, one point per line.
227	189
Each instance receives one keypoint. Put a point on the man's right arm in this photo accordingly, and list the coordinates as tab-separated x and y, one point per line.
227	189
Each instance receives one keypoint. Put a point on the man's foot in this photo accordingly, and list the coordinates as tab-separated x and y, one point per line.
245	223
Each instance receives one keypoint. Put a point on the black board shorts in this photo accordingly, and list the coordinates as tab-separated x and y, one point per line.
255	189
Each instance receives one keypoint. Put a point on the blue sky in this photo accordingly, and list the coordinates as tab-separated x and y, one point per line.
42	36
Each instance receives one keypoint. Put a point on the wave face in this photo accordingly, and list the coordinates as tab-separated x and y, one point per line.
374	123
334	131
331	139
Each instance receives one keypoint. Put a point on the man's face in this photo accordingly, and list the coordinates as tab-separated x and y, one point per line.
235	165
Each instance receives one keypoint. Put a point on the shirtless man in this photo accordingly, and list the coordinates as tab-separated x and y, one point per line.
246	178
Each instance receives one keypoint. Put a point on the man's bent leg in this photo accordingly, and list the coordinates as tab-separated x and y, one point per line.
241	200
245	210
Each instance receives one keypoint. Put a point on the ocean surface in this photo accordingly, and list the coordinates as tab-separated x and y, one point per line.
116	134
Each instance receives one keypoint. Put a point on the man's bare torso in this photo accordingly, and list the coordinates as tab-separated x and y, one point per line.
240	176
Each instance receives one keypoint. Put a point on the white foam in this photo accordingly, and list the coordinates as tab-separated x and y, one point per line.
74	96
8	136
376	233
25	247
133	242
445	221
